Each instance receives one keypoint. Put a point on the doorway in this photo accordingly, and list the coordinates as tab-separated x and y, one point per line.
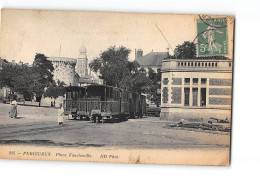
203	97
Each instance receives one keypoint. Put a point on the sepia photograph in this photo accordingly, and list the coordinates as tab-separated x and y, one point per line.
113	87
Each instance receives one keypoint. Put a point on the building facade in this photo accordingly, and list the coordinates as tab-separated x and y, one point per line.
82	62
64	70
196	89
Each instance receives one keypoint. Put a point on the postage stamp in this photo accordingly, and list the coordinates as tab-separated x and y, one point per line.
212	36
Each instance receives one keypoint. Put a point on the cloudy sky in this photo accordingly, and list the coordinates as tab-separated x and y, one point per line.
26	32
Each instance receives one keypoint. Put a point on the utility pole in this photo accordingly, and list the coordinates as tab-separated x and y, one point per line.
165	38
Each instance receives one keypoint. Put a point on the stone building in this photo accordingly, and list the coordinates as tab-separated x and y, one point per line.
196	89
82	62
64	70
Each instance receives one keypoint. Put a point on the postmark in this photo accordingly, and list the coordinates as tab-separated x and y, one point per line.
212	36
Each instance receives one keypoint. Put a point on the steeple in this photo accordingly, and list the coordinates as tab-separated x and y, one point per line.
82	51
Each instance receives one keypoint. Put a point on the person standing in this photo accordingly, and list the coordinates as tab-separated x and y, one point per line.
60	115
13	110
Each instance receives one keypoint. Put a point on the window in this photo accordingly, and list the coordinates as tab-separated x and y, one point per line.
165	95
216	64
229	64
165	81
195	96
203	80
69	95
186	96
195	80
187	81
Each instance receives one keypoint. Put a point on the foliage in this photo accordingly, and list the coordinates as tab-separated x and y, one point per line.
41	74
55	90
155	85
185	51
116	70
28	80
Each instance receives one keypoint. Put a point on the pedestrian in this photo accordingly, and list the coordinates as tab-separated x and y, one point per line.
13	110
60	115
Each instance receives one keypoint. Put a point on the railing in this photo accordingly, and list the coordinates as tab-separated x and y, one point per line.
197	64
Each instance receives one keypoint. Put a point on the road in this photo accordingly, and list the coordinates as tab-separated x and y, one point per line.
38	125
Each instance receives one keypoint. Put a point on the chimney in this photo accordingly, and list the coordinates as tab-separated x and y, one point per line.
138	53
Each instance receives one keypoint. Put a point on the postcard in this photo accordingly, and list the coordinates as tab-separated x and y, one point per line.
112	87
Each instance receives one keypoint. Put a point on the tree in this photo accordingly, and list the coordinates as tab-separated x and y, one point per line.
42	75
185	51
28	80
116	70
155	85
17	78
55	90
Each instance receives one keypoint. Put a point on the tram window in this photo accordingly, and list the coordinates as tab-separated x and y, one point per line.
69	95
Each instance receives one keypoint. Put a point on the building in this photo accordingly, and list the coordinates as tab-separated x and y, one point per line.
82	62
64	70
151	60
196	89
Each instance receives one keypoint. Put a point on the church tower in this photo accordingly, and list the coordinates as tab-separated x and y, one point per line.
82	62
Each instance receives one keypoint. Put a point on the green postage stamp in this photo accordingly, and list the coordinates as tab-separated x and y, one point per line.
212	36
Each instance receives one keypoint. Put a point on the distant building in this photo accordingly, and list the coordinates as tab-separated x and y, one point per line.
82	62
196	89
64	70
151	60
82	68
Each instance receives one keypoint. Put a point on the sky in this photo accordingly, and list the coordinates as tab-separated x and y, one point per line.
27	32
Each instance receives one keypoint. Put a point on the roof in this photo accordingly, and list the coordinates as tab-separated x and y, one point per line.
82	49
152	59
62	59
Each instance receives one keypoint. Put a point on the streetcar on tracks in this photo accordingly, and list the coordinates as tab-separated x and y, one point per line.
100	103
